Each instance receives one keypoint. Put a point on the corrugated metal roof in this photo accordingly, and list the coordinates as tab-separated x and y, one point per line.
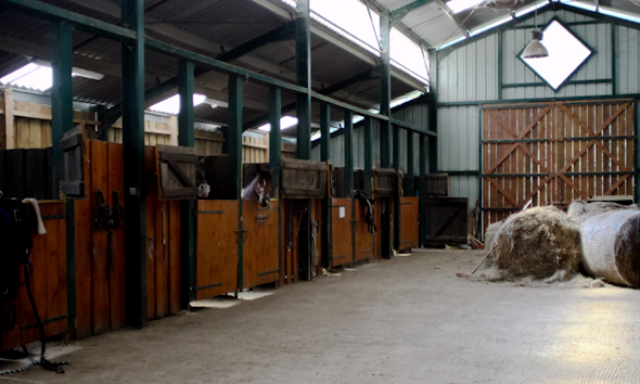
432	24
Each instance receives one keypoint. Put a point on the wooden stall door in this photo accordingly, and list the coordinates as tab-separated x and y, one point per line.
216	248
409	222
364	239
260	253
341	231
48	284
555	153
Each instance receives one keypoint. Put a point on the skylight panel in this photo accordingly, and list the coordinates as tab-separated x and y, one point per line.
458	6
351	16
566	54
409	55
32	76
171	106
285	122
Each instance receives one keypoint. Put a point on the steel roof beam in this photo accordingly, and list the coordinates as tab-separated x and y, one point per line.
453	17
284	32
398	14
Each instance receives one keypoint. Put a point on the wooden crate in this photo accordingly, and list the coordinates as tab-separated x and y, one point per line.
446	220
303	179
385	182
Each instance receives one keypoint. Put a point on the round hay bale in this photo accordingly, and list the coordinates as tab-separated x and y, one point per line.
580	211
611	247
490	234
540	242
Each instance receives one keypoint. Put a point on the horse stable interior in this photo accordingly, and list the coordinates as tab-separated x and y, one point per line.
298	190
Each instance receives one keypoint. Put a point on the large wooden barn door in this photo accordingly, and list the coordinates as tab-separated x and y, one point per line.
555	153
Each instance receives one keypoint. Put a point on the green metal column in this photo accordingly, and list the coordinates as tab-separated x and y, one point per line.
385	126
303	76
410	162
275	159
275	138
234	140
368	155
134	175
385	90
422	186
348	153
636	159
396	165
187	208
432	117
61	122
325	155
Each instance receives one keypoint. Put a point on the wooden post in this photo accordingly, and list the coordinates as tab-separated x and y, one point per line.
325	155
188	228
10	139
134	175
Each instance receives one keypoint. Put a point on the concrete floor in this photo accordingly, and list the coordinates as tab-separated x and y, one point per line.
398	321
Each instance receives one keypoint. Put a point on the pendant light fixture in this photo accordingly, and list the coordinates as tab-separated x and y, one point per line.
535	49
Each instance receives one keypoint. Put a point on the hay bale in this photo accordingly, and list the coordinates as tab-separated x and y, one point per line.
580	211
542	243
611	246
490	234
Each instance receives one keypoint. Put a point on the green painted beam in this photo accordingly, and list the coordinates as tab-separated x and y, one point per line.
423	186
325	155
61	96
275	138
234	142
410	164
303	78
614	55
88	24
368	155
348	153
396	165
134	173
385	89
398	14
284	32
187	208
61	122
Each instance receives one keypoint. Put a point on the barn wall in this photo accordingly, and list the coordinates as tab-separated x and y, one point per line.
416	114
469	75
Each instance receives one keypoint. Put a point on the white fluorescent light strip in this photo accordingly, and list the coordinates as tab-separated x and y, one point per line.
620	15
171	106
458	6
31	76
285	122
531	8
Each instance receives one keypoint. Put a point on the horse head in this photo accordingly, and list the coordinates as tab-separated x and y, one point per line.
262	187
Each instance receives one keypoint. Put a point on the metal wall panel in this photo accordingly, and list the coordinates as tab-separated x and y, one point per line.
416	115
470	73
628	57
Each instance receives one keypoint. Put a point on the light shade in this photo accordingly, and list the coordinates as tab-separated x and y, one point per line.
535	49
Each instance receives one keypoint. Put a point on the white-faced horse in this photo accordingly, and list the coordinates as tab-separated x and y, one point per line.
259	188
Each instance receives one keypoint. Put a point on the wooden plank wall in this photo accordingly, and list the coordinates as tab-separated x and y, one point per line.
409	222
364	240
341	229
26	173
216	248
260	256
100	274
48	283
566	151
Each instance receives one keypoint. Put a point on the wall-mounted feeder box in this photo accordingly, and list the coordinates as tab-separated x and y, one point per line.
303	179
